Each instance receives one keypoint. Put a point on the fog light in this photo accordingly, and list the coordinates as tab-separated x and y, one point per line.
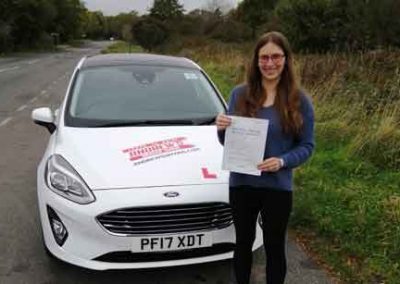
59	230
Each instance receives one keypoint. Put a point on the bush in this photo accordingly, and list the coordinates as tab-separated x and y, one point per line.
232	31
322	25
191	25
45	42
309	24
150	33
5	37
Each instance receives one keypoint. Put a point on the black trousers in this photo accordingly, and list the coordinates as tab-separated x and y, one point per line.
275	207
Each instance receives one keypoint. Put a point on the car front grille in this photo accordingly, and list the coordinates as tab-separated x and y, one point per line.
167	219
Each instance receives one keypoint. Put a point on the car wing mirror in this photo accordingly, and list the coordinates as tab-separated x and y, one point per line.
44	116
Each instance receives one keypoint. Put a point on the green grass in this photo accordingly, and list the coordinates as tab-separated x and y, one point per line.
221	76
347	196
353	207
122	47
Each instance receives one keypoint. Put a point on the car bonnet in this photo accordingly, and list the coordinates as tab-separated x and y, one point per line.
131	157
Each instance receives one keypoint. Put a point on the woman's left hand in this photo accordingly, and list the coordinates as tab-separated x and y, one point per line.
270	165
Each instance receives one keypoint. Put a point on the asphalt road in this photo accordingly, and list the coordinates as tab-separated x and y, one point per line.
34	80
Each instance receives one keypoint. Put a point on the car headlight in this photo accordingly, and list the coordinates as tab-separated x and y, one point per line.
61	178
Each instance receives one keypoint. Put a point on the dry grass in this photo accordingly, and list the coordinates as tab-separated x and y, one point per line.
356	96
347	195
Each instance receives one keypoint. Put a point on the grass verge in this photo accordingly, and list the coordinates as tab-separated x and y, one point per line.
347	196
122	47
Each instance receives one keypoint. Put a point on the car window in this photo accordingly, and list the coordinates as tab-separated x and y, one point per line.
130	93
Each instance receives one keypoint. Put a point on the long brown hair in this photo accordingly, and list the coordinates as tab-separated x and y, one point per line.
287	100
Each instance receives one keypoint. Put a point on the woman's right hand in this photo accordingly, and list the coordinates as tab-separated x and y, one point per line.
222	121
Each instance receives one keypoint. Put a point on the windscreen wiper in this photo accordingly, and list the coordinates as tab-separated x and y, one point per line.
145	122
204	120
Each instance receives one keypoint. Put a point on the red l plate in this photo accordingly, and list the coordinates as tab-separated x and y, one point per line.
207	174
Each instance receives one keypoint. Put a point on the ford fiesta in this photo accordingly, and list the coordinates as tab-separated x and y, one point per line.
131	177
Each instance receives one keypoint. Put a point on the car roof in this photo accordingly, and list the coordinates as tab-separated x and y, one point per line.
118	59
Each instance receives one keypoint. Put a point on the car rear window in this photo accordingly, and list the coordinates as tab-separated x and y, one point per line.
140	93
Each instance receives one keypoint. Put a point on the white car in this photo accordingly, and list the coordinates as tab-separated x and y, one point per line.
131	177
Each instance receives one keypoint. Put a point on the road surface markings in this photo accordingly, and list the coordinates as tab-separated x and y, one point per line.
9	69
22	107
33	61
5	121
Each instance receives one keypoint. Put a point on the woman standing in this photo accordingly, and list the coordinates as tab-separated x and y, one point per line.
271	92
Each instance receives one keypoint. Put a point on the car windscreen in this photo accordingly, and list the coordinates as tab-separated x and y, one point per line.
141	95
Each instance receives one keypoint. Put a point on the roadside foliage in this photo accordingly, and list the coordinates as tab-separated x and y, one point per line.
347	197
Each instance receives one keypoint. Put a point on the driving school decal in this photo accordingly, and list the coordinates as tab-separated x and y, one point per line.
160	149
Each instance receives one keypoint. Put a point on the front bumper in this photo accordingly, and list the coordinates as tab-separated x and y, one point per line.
91	246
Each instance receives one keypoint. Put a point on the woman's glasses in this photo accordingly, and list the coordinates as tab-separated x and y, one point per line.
276	58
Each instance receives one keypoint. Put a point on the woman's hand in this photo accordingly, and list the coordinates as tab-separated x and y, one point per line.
222	121
270	165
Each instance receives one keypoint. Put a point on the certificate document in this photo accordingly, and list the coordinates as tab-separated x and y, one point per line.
244	145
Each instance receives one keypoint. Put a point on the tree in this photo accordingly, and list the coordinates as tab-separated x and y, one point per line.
223	6
166	10
121	24
29	23
149	33
5	36
314	32
351	31
340	24
68	22
255	12
30	20
383	19
126	34
230	30
95	25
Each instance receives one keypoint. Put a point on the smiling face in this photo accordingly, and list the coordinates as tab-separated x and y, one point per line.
271	61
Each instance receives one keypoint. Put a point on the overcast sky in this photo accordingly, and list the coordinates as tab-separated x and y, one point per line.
114	7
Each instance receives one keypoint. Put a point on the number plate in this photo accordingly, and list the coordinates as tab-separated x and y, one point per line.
171	242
